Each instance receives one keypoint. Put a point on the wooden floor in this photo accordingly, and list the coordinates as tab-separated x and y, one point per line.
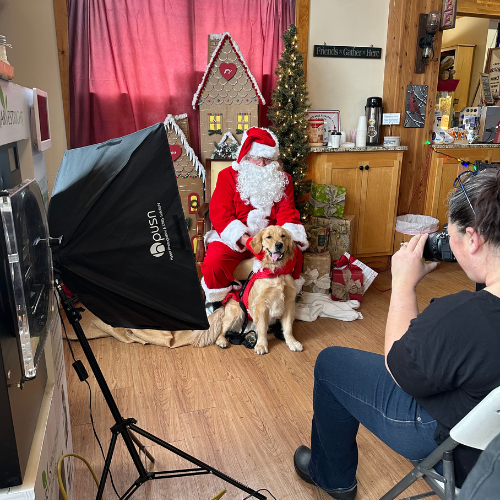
241	413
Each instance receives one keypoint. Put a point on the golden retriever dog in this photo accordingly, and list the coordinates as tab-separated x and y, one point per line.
269	299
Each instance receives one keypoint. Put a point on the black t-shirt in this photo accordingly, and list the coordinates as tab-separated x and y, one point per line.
449	360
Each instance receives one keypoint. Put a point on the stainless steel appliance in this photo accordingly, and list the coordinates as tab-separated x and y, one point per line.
490	117
373	111
27	310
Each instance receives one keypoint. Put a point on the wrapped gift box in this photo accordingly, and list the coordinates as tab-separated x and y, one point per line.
317	236
316	272
340	235
347	280
326	200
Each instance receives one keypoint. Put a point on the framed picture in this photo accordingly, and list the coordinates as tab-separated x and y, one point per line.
448	14
332	119
416	104
212	170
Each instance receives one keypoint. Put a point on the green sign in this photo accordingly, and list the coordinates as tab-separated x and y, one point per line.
343	51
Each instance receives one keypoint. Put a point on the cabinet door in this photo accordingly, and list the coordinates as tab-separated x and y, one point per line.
347	173
377	210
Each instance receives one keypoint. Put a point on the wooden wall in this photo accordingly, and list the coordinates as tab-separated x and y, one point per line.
302	23
61	23
399	72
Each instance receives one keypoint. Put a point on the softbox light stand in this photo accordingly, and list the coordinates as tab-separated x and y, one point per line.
124	425
124	250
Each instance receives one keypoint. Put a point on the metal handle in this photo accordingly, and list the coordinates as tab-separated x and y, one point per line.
361	167
367	167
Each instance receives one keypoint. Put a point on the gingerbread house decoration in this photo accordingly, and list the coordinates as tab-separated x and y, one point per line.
226	148
228	96
189	171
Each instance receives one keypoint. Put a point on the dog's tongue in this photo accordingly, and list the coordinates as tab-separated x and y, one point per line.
275	257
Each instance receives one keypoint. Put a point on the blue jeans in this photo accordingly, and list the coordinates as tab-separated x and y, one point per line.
353	387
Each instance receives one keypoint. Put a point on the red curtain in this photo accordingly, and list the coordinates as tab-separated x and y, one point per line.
132	62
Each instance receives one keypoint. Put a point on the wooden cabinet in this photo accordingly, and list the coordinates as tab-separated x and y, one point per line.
372	182
443	172
464	58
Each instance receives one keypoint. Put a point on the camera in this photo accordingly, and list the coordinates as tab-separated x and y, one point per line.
437	247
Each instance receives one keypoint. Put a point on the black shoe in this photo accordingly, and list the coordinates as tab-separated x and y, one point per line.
277	330
301	460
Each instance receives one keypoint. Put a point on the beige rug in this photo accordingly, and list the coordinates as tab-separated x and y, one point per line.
94	328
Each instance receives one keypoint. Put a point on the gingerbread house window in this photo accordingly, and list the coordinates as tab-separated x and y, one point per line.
214	123
243	122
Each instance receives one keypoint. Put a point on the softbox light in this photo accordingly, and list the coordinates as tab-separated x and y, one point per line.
125	250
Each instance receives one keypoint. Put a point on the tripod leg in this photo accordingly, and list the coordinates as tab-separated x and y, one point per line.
141	447
107	464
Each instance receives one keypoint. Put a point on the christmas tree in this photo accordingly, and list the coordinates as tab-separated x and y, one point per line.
288	113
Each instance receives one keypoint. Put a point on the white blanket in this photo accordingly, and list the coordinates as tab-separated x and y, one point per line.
313	305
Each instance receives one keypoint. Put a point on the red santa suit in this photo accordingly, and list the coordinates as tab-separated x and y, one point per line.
232	217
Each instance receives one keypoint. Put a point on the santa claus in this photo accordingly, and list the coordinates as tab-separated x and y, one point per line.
250	195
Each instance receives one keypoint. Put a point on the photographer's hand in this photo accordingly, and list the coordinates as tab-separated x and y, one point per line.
407	266
408	269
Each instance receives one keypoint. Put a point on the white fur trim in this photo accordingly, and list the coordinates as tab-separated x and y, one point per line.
257	220
215	294
235	165
298	284
257	149
257	266
276	149
298	234
232	233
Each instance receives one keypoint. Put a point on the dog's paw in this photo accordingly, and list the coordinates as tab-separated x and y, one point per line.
221	342
261	349
295	345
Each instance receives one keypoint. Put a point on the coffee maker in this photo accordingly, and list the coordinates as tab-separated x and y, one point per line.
373	111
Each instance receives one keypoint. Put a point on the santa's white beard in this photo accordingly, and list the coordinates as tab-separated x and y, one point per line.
261	187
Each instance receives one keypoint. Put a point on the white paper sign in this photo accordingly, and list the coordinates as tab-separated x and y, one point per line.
14	113
391	118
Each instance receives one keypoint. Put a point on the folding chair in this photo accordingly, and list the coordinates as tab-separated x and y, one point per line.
477	429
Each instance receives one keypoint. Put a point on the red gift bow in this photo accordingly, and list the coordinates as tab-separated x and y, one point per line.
349	262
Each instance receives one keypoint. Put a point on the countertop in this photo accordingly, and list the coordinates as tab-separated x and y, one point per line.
321	149
465	146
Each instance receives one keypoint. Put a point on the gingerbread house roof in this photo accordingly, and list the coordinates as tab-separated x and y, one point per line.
223	37
171	123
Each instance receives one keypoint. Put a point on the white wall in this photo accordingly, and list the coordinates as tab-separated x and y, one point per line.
345	84
30	28
470	31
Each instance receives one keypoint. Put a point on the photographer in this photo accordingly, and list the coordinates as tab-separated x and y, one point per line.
438	364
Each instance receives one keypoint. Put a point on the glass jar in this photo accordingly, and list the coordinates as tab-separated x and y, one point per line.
3	51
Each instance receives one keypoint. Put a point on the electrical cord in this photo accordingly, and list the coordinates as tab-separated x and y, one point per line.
59	475
90	402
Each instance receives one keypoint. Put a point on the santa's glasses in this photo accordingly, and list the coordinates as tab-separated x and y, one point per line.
259	159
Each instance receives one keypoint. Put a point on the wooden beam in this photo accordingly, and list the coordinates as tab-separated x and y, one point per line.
61	21
401	50
489	9
302	23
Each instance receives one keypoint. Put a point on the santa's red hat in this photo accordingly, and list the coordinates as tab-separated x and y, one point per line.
259	142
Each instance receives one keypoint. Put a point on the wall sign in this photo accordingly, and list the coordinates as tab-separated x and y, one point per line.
344	51
493	69
485	86
448	14
14	112
391	118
